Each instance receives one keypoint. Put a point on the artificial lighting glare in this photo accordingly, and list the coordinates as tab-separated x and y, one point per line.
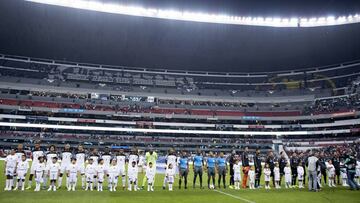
143	130
202	17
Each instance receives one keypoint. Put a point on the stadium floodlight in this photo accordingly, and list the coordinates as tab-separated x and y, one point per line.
201	17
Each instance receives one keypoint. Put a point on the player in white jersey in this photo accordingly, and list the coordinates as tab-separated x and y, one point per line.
170	159
237	174
106	156
21	170
288	177
95	156
80	162
170	176
113	172
133	171
19	153
121	162
150	176
72	172
51	154
49	157
90	173
10	166
101	171
65	162
39	173
53	171
35	160
133	157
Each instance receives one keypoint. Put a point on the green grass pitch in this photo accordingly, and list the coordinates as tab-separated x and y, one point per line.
339	194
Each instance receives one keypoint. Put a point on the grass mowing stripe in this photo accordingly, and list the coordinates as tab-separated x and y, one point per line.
233	196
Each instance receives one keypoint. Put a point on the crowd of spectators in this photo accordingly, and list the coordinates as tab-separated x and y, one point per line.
131	138
338	104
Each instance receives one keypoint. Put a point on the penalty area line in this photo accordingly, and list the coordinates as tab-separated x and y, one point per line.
233	196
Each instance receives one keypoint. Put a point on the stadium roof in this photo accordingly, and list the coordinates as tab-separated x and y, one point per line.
195	16
63	33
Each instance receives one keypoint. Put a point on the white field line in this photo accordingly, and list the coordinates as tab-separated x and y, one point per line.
233	196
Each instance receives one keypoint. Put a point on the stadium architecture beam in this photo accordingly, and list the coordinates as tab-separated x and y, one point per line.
143	130
203	17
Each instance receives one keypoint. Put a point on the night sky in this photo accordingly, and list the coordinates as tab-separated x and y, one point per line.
44	31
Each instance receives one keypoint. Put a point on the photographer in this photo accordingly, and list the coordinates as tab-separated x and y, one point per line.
350	163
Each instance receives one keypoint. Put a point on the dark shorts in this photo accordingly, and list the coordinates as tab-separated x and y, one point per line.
198	170
222	170
211	171
183	172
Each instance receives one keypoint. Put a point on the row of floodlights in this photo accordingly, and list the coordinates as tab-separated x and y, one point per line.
202	17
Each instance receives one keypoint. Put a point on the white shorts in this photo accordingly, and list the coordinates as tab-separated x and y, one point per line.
89	177
150	179
100	177
53	175
237	177
81	168
21	175
107	165
33	166
170	179
113	179
175	167
46	172
72	178
132	178
9	171
63	168
39	177
251	180
122	171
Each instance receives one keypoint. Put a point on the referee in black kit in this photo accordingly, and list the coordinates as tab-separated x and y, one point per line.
258	168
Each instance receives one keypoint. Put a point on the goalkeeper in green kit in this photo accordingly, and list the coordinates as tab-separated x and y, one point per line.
150	156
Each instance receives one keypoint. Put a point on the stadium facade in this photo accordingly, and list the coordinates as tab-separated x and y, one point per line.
101	105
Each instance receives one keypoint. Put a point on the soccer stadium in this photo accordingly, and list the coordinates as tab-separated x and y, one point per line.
179	101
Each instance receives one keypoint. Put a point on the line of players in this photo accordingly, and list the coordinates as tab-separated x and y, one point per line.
112	167
47	166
